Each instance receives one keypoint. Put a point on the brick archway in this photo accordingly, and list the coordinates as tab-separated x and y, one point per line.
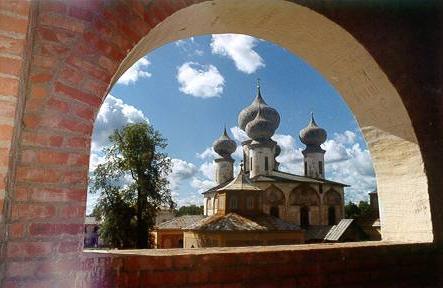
77	49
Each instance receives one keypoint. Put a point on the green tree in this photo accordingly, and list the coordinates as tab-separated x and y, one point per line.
353	211
190	210
132	184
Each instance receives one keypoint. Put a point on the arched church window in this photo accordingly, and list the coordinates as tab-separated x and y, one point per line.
251	164
304	217
233	203
320	167
331	216
266	164
274	211
306	168
250	202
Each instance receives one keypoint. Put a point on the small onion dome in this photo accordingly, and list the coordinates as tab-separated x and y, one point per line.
312	134
277	150
248	114
224	146
260	128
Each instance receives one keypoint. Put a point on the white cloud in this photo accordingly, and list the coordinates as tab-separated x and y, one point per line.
238	134
135	72
347	137
208	153
290	157
113	114
180	171
204	81
240	49
202	184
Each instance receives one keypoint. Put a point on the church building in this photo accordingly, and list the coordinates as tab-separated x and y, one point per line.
263	205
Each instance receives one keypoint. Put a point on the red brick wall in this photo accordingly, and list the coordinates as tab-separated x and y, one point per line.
350	265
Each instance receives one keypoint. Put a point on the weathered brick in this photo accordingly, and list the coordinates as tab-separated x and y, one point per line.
32	211
77	94
5	132
11	45
8	86
29	249
48	229
11	66
13	24
58	195
16	7
16	230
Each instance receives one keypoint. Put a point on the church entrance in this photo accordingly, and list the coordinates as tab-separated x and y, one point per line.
331	216
274	211
304	217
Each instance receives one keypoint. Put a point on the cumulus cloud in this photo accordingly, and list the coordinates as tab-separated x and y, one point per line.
208	153
113	114
203	81
239	48
202	184
290	157
180	171
348	163
136	72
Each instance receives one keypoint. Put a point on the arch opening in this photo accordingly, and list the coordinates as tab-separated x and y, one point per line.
354	74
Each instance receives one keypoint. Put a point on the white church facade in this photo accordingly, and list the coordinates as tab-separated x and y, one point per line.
283	207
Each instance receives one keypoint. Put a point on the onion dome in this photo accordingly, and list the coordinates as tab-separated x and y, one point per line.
224	146
260	128
312	134
248	114
277	150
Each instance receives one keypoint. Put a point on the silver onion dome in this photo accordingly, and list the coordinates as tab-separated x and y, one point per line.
312	134
224	146
260	128
248	114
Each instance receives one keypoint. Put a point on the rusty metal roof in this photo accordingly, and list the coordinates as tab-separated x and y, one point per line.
180	222
236	222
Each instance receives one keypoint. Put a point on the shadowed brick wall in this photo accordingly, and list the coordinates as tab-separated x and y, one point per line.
340	265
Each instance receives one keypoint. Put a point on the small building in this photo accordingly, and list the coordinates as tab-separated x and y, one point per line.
239	221
92	239
169	234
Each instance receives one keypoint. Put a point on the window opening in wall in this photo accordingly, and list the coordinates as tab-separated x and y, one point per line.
233	203
250	202
210	169
320	167
304	217
274	211
331	216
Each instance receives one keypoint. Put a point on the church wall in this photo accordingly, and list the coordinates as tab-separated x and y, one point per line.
258	155
238	239
313	169
224	170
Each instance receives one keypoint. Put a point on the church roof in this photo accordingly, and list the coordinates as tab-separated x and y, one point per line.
236	222
180	222
241	182
279	176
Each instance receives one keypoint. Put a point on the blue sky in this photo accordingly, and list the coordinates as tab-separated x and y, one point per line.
191	88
